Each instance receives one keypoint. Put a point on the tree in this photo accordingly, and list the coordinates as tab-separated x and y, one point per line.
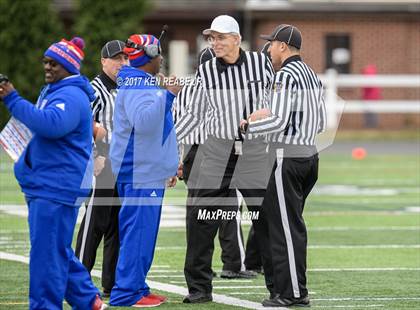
27	29
98	22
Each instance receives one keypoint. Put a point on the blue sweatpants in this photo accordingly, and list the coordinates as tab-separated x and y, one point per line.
138	228
55	272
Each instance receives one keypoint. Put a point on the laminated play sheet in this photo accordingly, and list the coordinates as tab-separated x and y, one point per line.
14	138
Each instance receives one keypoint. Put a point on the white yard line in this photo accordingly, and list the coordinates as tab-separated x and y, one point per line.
222	299
357	213
167	248
319	228
179	273
363	269
165	276
249	293
260	293
349	306
245	303
366	299
219	281
366	246
14	231
170	288
414	209
324	246
236	287
165	271
173	216
374	228
14	257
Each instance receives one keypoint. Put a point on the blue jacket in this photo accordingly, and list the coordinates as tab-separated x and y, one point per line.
143	148
56	161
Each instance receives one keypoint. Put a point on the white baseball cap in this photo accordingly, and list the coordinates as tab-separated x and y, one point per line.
223	24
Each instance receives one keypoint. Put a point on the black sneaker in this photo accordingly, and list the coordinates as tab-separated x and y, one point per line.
278	301
259	270
197	298
245	274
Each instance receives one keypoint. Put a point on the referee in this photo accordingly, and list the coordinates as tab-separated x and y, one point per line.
230	231
101	217
297	115
228	88
253	254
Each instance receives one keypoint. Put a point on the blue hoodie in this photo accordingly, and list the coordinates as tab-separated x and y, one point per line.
143	150
56	160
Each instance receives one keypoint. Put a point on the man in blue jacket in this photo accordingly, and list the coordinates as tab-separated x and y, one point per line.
143	156
51	171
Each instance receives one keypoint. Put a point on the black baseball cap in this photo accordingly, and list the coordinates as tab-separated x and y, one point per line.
112	48
265	48
205	55
285	33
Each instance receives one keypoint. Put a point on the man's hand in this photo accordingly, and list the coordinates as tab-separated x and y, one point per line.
243	126
259	114
180	171
171	182
99	165
5	89
99	132
170	83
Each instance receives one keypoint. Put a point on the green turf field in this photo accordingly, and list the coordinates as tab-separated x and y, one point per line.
364	240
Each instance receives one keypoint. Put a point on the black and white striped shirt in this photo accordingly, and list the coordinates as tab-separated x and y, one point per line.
103	106
297	106
223	94
197	136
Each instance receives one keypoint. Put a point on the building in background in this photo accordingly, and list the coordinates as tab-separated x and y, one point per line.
345	35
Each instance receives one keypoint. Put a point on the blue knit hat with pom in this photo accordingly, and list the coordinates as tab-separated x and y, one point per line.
69	54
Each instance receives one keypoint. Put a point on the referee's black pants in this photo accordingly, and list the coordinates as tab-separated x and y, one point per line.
291	181
230	231
252	254
101	221
221	173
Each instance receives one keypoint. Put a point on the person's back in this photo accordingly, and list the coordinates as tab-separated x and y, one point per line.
139	153
144	160
296	115
308	101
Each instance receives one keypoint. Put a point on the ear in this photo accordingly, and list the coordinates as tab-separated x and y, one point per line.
103	60
238	40
283	46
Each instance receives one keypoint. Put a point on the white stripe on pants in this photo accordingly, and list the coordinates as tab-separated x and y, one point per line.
285	223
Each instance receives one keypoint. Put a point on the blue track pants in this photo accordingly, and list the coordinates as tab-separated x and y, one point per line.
55	272
138	228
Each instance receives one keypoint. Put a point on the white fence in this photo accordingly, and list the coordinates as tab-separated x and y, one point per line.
334	81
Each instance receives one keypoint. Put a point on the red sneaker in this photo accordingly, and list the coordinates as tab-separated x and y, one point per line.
99	304
147	302
161	298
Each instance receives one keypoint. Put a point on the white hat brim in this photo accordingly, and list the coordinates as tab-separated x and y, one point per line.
209	31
